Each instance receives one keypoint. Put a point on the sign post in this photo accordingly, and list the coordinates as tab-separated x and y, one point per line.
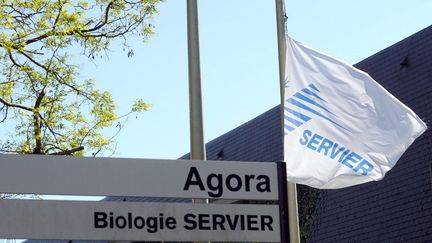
283	202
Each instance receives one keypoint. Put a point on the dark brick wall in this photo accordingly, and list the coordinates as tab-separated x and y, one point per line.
260	139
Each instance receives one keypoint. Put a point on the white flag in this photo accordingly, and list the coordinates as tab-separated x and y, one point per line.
341	127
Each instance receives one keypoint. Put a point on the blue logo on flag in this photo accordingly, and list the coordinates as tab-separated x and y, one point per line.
304	104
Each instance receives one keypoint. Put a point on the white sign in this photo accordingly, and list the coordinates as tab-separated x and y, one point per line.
65	175
65	220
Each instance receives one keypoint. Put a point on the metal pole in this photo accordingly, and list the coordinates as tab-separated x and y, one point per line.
283	201
294	233
197	146
195	100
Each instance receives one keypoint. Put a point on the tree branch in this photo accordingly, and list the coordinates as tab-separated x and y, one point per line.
100	25
74	31
69	151
15	105
37	124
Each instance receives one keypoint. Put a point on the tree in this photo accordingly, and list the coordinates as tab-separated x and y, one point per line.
53	111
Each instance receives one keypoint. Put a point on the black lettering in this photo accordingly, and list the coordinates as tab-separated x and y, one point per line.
111	219
197	182
247	182
189	219
229	180
151	224
266	220
120	222
218	187
161	224
100	220
139	222
218	220
204	221
264	184
170	223
232	223
252	221
130	221
242	222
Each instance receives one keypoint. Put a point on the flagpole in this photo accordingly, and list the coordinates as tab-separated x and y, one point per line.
195	97
294	233
197	146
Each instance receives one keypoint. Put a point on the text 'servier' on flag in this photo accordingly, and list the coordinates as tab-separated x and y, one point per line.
341	127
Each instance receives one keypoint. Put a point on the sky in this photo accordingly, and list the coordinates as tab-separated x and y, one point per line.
239	65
